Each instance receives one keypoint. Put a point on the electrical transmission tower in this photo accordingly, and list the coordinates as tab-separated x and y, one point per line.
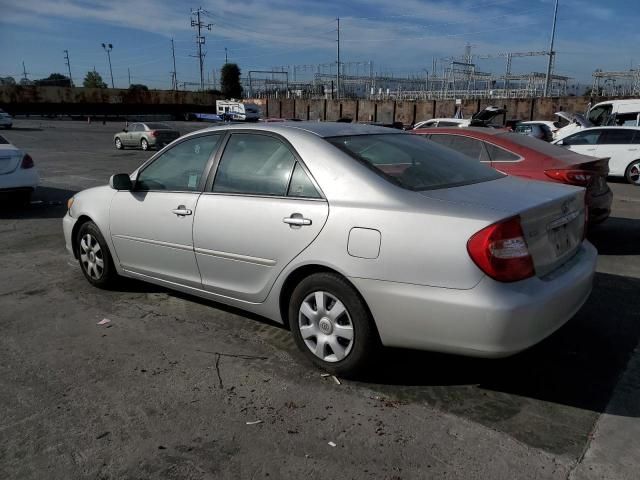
200	40
66	59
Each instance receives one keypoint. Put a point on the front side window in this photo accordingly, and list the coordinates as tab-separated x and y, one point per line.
600	115
180	168
136	127
413	162
583	138
255	165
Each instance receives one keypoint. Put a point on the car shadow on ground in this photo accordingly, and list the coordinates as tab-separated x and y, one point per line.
46	202
578	366
25	129
616	236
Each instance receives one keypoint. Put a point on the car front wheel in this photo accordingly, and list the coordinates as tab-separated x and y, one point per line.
94	257
633	173
332	325
144	144
118	143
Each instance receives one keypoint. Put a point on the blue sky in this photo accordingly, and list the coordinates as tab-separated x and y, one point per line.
400	37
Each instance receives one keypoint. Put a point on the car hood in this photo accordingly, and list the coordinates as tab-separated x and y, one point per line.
575	117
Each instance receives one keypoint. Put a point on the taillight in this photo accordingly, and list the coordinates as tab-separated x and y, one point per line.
154	133
582	178
27	161
500	251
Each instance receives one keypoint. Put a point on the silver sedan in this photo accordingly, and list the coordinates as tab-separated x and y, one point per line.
354	236
145	136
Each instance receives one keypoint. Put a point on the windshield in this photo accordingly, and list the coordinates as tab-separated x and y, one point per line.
158	126
413	162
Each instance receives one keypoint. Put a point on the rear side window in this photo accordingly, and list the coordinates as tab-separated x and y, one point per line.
616	137
413	162
255	165
524	129
301	185
467	146
498	154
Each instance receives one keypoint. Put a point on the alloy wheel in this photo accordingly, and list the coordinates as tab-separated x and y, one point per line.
634	173
91	256
118	144
326	326
144	144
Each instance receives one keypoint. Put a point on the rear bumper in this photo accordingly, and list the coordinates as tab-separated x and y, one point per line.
20	179
600	207
492	319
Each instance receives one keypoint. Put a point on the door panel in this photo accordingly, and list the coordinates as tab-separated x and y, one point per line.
242	243
150	239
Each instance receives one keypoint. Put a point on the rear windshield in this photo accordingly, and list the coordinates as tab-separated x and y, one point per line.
158	126
3	141
413	162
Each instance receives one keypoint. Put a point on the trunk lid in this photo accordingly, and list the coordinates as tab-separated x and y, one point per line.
9	159
552	215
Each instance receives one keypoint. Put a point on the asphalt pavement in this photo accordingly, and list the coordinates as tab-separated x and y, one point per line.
172	386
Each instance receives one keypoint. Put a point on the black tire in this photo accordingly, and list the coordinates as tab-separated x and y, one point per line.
365	344
21	199
118	143
144	144
102	277
632	174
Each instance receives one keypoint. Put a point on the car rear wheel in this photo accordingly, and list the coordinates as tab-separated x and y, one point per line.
118	143
332	325
94	257
144	144
633	173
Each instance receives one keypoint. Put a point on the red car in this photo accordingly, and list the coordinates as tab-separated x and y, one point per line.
528	157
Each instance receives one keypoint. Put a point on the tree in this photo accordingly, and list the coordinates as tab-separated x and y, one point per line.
93	80
138	87
54	80
7	81
230	81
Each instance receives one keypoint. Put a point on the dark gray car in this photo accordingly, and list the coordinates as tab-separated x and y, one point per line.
145	136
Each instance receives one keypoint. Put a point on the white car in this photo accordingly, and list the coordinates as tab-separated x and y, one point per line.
620	144
553	126
443	122
6	120
18	174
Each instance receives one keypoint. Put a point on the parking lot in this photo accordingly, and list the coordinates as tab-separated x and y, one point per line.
173	385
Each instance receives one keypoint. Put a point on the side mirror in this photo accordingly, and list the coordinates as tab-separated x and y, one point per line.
121	181
125	130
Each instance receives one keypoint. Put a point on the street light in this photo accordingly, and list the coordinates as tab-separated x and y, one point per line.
107	48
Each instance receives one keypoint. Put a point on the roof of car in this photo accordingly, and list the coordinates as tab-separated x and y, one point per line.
322	129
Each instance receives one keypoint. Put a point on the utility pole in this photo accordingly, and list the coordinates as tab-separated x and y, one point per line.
547	82
174	74
24	72
226	59
338	61
107	48
129	74
66	58
197	23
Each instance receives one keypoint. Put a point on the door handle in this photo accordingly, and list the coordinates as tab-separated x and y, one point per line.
296	220
632	150
181	211
590	149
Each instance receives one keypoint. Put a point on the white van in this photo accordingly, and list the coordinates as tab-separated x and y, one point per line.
234	110
615	113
